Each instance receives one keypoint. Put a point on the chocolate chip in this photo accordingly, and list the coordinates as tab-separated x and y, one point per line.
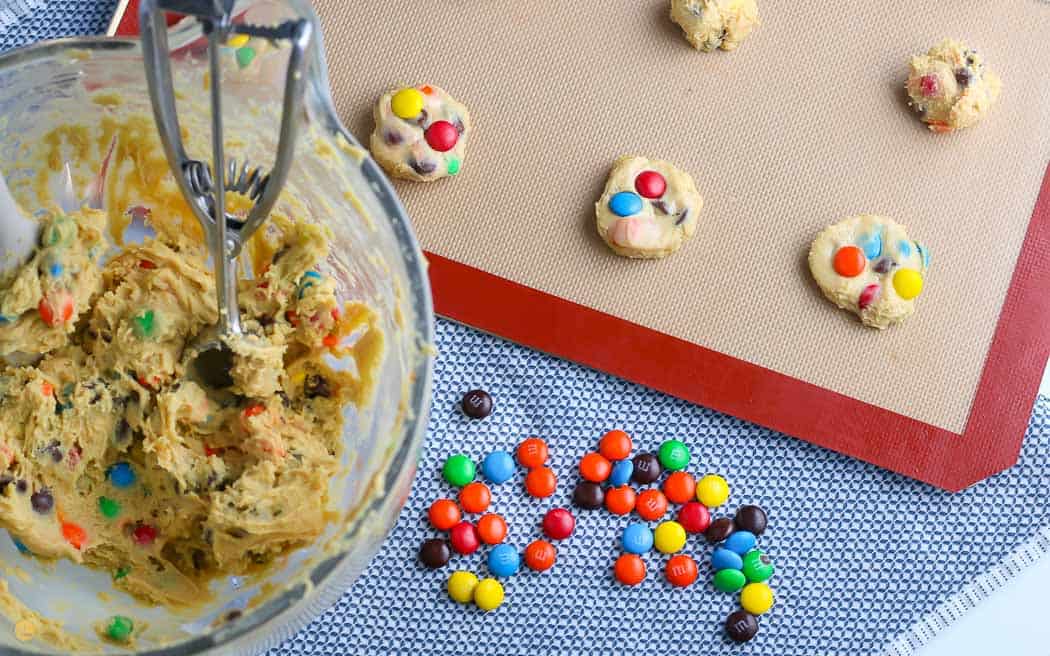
459	125
237	533
56	454
741	626
434	553
422	120
751	519
199	561
588	495
123	431
646	468
42	501
233	615
719	530
22	486
425	167
682	216
265	321
5	480
963	77
286	401
661	206
476	404
316	385
279	254
885	265
392	138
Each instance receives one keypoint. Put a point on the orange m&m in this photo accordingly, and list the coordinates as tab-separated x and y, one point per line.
492	528
595	468
629	569
620	500
850	261
532	453
652	505
615	445
541	482
680	487
475	497
444	514
540	555
681	570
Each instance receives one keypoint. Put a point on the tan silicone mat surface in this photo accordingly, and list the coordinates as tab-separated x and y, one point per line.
803	125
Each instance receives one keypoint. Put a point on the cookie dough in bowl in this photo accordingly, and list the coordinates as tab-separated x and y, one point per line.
868	265
420	133
649	208
712	24
950	88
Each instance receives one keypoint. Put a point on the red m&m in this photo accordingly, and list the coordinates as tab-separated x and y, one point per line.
558	523
464	538
650	184
441	136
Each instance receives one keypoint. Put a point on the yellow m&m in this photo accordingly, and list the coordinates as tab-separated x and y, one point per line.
461	586
489	594
712	490
407	103
756	598
907	283
237	40
669	537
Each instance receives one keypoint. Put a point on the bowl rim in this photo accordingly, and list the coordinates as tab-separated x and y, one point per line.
284	615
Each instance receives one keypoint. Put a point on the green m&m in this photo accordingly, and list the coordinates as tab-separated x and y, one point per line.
120	628
758	566
673	455
729	580
458	470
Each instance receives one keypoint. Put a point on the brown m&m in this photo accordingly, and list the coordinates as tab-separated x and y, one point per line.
741	626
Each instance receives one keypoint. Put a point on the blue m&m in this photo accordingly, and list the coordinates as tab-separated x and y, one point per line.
740	542
498	467
504	561
621	473
723	558
871	245
121	475
637	539
625	203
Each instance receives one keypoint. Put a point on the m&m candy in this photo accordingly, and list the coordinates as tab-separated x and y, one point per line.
594	467
679	487
719	530
407	103
756	598
757	566
723	558
625	203
464	538
541	482
475	497
492	528
652	505
729	580
588	495
540	555
120	628
629	569
441	136
673	455
681	570
907	283
650	184
461	586
458	470
669	537
621	473
443	514
694	517
476	404
504	561
532	453
121	475
637	538
849	261
558	523
712	491
741	626
498	467
620	500
750	518
489	594
740	542
646	468
434	553
615	445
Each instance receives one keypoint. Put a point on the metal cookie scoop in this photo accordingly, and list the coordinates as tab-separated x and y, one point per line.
206	195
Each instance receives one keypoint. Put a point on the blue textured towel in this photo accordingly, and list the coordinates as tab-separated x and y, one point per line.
860	553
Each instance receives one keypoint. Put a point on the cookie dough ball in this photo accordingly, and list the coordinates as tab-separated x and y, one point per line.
420	134
950	87
648	209
710	24
867	264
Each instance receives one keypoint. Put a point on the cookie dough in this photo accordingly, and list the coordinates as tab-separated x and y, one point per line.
648	209
867	264
950	88
420	133
112	456
710	24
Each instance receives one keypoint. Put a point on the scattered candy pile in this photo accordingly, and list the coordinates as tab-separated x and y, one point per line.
737	563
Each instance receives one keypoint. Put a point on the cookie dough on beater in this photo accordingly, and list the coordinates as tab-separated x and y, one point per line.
950	88
420	133
711	24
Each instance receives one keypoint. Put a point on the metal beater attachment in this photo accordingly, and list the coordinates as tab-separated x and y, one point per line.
206	194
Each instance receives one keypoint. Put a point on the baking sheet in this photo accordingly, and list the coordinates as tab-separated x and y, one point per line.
805	124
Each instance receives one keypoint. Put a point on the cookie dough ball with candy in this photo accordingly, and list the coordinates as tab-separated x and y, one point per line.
950	88
711	24
420	133
648	209
868	265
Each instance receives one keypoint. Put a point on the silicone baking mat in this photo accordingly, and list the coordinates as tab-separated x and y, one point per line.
805	124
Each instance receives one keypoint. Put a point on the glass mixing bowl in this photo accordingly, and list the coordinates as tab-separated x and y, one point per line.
374	258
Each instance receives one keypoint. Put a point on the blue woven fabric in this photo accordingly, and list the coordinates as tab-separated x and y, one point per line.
860	553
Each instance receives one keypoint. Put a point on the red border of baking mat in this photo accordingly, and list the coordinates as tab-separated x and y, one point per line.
994	430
